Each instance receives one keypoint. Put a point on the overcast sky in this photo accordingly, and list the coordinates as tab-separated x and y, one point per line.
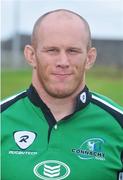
104	16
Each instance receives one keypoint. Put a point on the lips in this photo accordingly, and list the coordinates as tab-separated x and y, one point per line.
62	75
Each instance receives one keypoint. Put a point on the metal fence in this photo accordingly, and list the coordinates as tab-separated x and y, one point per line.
109	52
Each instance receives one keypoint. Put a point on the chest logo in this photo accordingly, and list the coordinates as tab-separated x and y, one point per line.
90	149
24	138
51	169
83	97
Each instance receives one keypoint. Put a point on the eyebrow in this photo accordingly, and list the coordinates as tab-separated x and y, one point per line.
69	47
76	48
47	47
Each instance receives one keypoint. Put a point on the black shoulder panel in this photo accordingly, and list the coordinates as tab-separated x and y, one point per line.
117	115
11	101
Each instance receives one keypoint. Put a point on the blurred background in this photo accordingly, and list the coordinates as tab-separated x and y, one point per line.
105	18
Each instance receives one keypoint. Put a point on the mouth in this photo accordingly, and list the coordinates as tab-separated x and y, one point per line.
62	75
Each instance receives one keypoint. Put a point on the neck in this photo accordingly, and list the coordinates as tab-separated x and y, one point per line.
60	107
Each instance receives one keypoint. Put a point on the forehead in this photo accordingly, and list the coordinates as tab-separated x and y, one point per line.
59	26
58	18
62	22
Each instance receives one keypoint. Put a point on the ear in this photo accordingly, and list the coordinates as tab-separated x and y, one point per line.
29	54
91	58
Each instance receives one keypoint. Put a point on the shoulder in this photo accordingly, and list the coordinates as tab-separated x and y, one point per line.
109	106
8	102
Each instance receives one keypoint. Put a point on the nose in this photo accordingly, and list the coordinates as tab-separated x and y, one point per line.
62	60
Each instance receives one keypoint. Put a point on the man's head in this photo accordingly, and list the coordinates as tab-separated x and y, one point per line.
60	53
60	13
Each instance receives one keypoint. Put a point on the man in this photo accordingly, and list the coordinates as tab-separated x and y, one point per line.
58	129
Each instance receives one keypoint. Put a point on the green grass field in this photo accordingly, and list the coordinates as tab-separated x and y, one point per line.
107	81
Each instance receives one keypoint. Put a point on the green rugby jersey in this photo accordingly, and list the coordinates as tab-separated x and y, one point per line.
86	145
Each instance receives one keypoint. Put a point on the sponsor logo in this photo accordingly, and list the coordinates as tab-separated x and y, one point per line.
23	153
83	97
51	169
120	176
91	149
24	138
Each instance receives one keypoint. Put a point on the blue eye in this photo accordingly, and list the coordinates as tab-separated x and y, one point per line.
51	50
73	51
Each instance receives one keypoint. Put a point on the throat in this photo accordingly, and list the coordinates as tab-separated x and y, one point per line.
61	108
61	113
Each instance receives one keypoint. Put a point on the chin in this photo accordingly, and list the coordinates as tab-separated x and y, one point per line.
60	93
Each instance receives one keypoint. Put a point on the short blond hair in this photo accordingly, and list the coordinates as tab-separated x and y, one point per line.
41	18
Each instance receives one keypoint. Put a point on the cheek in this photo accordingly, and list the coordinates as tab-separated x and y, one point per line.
43	71
41	62
80	66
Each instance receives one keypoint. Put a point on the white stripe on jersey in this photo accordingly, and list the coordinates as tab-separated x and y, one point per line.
10	98
107	104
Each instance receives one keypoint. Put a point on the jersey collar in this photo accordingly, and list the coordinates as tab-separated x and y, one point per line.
82	99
